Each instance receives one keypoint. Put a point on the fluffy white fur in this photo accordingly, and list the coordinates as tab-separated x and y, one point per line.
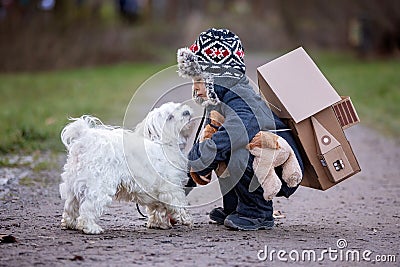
145	166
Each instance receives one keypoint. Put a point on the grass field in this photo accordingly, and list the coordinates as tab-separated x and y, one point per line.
35	107
374	87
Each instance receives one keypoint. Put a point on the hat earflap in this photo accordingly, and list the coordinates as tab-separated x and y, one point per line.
189	67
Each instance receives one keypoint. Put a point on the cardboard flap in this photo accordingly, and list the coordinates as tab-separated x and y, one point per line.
297	84
273	102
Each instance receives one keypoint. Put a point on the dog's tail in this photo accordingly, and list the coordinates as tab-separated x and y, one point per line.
75	129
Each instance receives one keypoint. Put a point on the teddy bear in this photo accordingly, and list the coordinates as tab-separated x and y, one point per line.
269	150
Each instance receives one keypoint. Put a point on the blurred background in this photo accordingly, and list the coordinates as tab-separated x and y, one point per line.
54	34
61	58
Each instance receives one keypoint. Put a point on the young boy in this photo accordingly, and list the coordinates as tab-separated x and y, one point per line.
215	64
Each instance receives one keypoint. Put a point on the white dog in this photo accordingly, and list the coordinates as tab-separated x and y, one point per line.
145	166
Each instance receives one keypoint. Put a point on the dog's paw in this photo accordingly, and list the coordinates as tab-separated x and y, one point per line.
181	216
89	228
186	219
187	223
67	222
162	223
162	226
93	229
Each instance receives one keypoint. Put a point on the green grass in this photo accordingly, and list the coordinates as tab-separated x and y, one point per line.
35	107
373	85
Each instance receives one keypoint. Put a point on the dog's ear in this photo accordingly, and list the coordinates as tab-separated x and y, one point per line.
153	133
149	127
153	129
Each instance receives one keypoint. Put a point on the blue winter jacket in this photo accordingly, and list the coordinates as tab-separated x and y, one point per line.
245	114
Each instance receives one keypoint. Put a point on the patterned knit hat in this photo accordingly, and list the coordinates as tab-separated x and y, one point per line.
215	53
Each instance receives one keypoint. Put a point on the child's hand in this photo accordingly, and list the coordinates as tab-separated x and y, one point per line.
198	179
221	170
216	120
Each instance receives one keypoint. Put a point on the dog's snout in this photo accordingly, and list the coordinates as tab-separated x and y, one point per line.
186	113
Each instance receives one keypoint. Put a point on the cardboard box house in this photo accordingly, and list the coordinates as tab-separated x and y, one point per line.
298	92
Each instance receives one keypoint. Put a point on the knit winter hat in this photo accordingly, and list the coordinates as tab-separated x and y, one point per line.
215	53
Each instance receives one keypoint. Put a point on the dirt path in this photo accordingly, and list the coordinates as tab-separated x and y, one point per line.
363	210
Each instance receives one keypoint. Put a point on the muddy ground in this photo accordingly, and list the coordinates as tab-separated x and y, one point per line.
363	210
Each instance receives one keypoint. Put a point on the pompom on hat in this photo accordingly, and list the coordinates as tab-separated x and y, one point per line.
215	53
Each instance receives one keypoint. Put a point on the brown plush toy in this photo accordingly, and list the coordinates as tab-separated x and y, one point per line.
216	120
270	151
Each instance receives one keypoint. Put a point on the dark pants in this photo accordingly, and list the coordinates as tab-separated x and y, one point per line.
253	204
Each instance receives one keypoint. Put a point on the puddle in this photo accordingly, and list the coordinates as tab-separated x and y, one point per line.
29	170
